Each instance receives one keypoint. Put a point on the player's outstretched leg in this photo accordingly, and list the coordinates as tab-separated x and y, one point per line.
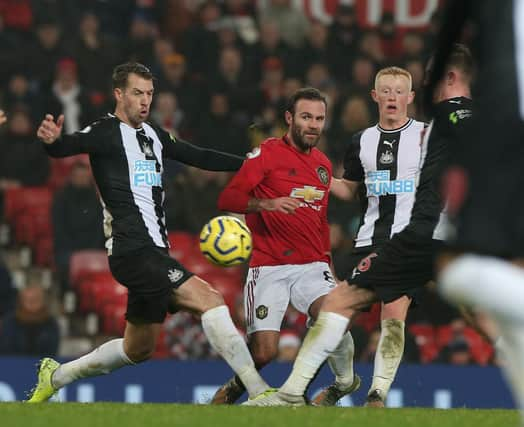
197	296
104	359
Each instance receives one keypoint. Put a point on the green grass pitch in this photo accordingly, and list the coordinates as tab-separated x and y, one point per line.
172	415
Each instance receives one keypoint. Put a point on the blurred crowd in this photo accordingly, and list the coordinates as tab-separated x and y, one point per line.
224	70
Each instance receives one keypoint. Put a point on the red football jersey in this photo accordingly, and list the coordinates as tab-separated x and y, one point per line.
277	169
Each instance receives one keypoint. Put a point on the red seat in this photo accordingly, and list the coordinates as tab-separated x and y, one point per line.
25	199
481	351
161	349
369	320
425	339
86	263
98	290
443	335
113	319
61	169
228	287
183	245
43	250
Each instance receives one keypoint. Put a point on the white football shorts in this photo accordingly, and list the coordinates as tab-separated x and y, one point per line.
270	289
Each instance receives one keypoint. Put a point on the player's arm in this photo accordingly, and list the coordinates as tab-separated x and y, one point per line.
202	158
58	145
347	187
3	118
344	189
238	194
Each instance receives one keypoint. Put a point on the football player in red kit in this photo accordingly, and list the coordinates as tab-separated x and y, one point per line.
283	189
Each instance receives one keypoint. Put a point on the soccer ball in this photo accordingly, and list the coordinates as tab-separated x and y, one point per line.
226	240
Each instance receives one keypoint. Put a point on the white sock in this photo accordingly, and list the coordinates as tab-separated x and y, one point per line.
225	339
321	340
102	360
341	362
388	356
512	349
487	283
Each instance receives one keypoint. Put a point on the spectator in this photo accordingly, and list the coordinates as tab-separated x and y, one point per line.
318	76
94	53
242	13
77	219
272	84
139	45
412	45
362	77
167	112
42	56
19	94
68	97
315	49
232	80
200	40
353	117
370	44
8	51
218	130
162	47
30	329
456	352
270	45
7	290
174	78
391	42
292	23
344	34
184	211
27	163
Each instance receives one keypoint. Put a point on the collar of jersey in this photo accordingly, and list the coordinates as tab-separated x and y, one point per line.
400	129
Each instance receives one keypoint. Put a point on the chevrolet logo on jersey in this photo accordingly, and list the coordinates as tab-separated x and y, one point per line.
308	193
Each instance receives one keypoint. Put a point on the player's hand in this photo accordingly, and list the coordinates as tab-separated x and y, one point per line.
49	131
3	118
281	204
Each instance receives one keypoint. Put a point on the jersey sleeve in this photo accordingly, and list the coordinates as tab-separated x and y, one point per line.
177	149
236	195
353	170
88	140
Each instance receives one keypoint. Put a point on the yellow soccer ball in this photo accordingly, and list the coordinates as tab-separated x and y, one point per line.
225	241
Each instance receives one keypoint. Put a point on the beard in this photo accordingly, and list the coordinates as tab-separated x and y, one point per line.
298	138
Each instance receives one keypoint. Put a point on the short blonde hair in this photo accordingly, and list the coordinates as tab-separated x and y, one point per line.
395	72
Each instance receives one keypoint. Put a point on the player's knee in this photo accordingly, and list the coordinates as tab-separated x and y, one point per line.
140	353
262	356
211	299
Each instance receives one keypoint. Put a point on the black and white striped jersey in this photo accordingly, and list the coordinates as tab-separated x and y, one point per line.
127	165
450	122
387	163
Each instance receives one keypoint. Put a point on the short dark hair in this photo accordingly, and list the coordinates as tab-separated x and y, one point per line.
460	57
308	93
122	71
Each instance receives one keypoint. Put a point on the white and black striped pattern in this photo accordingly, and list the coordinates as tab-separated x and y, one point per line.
390	161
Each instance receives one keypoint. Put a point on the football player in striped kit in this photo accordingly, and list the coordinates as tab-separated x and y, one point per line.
127	155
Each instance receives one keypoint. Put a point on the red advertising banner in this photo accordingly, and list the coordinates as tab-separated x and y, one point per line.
408	13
